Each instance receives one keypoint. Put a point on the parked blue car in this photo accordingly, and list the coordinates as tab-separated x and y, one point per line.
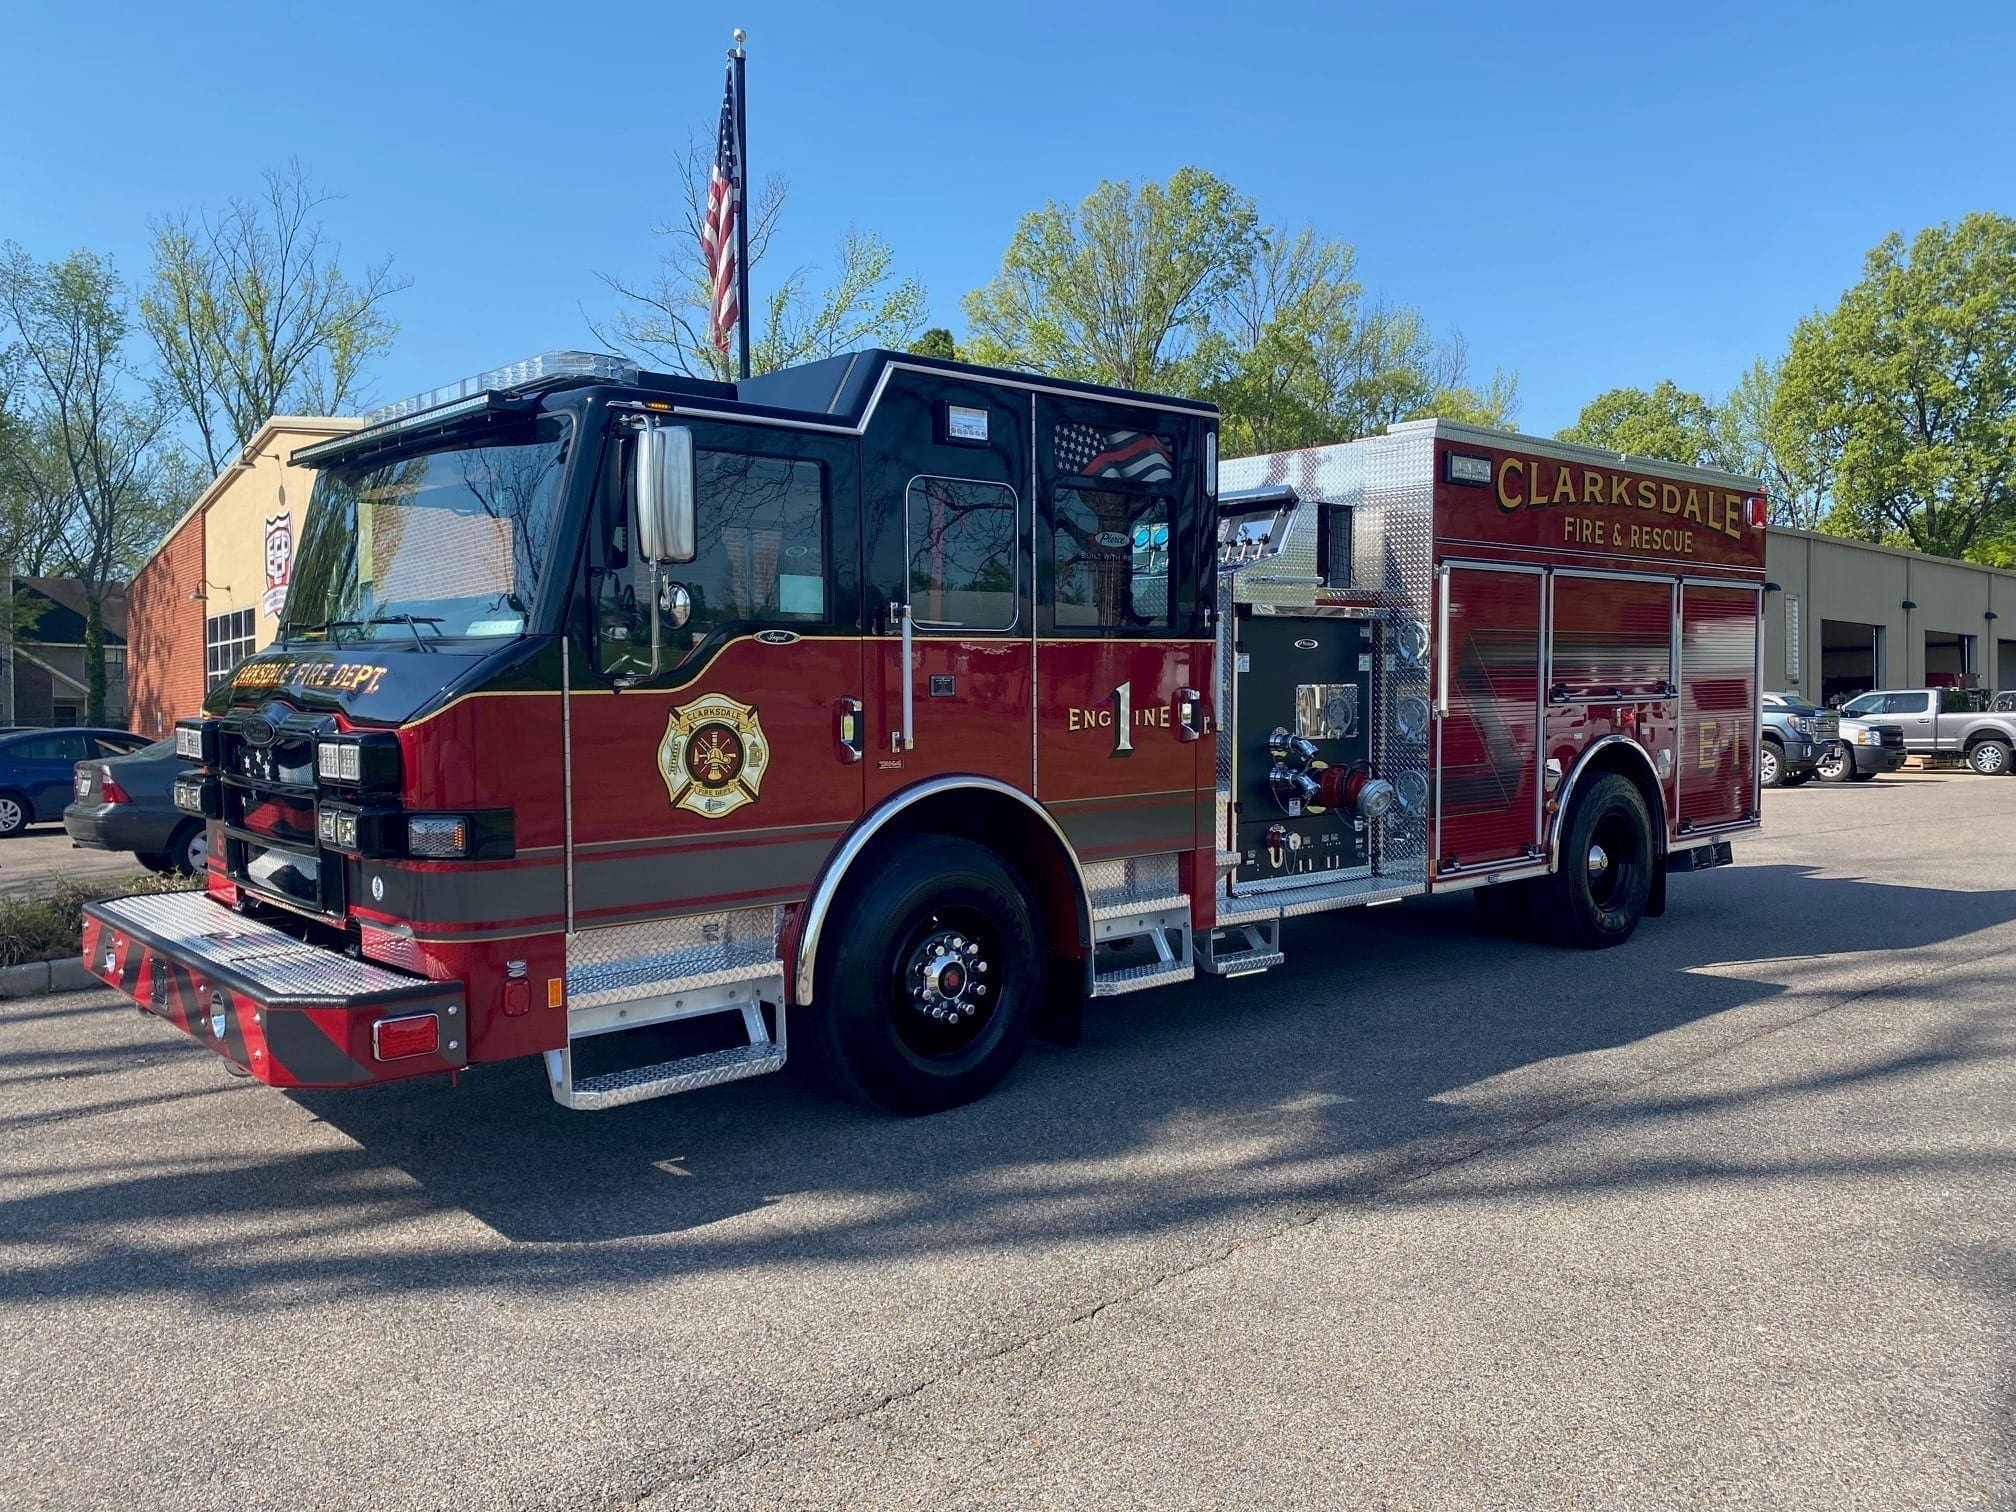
37	768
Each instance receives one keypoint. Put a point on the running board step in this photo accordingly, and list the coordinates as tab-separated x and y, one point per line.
640	1083
1232	950
1141	978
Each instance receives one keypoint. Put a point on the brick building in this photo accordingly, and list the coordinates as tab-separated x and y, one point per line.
211	592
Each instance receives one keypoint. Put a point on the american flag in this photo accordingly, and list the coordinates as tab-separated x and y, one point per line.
1085	451
717	232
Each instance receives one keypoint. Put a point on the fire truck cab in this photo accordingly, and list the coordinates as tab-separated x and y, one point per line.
626	720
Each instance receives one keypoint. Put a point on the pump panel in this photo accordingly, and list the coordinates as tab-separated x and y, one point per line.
1304	725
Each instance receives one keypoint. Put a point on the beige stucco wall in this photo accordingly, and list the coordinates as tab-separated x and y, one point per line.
262	486
1849	581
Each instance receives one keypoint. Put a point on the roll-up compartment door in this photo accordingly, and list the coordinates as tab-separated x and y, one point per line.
1719	706
1488	752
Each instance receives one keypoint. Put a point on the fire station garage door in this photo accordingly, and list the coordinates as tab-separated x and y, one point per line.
1488	763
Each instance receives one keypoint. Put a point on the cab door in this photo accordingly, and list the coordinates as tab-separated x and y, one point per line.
946	514
1123	650
723	779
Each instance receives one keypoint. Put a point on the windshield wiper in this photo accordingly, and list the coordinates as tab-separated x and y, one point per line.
412	622
328	627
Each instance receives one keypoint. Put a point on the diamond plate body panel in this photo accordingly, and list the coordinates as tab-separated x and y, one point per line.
1388	483
199	929
630	961
1131	883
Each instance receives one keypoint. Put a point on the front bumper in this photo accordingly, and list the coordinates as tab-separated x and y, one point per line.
290	1013
1878	758
1803	755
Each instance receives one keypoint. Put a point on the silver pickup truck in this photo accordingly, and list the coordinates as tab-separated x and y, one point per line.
1942	724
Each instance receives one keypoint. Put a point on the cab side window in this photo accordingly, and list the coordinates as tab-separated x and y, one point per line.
1907	703
960	539
1112	553
760	525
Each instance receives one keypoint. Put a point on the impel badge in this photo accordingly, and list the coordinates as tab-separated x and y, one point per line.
713	756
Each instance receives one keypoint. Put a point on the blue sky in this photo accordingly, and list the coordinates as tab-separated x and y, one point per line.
1596	195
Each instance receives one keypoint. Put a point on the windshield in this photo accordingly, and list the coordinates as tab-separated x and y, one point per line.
444	542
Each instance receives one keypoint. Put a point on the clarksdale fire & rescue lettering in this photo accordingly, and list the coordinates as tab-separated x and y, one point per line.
652	726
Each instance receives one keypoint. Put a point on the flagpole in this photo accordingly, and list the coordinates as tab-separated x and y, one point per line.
742	197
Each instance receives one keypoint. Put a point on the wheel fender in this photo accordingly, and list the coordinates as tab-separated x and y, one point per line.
1593	759
839	866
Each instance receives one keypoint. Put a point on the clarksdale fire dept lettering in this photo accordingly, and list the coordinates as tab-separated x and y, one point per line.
1534	483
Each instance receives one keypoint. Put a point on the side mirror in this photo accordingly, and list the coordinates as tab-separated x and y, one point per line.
664	493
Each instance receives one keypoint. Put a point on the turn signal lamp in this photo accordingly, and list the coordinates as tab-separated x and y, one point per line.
437	836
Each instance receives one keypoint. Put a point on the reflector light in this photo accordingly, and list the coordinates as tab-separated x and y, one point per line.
395	1039
437	836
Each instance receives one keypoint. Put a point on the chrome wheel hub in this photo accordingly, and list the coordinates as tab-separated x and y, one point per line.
1599	861
947	975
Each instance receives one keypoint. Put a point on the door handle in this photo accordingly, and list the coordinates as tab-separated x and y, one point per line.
847	728
1192	723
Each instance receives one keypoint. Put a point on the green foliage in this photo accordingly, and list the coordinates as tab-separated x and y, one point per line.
1751	439
84	459
936	342
50	927
1178	288
1668	422
1904	395
1122	288
251	316
667	320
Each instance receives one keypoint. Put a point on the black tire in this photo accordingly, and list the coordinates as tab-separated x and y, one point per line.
154	861
1506	908
1862	776
931	897
1598	895
1989	757
1799	779
1838	764
189	849
16	813
1770	765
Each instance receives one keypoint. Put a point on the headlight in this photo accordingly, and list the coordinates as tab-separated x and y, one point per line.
337	761
370	760
196	740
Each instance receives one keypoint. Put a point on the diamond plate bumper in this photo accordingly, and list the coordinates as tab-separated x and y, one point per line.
291	1014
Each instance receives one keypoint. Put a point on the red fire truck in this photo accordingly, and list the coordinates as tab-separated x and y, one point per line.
618	718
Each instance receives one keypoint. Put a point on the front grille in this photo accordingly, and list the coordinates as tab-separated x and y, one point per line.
268	771
1892	736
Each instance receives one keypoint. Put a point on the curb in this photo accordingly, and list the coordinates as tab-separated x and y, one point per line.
39	978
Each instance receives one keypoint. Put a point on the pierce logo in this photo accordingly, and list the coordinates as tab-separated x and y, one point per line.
713	755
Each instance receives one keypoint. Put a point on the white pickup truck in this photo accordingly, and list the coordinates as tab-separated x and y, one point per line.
1942	724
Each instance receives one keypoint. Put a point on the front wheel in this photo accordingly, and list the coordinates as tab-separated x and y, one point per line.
13	814
1837	763
1990	758
927	998
1770	765
1598	893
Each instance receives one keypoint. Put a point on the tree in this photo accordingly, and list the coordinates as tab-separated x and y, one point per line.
1669	422
252	316
1905	392
86	451
668	320
1177	288
1122	288
1749	440
936	342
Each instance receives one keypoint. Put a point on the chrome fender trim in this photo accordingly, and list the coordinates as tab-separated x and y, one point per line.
1659	819
834	874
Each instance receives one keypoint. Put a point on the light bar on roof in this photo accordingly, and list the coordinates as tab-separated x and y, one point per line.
541	369
471	394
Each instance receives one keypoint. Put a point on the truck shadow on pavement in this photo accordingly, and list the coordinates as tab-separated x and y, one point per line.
1394	1042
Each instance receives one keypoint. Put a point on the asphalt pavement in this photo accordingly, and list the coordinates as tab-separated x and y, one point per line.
1424	1218
30	860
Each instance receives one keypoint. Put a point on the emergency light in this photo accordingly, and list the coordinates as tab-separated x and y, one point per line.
471	395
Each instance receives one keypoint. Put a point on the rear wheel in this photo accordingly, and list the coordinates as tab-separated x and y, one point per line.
1770	765
13	814
1598	894
928	995
1862	776
1837	763
1989	757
